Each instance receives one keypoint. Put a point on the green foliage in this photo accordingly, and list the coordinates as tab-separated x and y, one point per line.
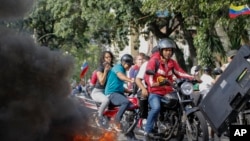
91	56
77	26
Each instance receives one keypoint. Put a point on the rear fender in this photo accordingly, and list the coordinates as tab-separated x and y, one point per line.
192	110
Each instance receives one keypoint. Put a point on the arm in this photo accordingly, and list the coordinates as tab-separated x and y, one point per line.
154	78
102	76
179	72
155	83
126	90
123	77
131	76
151	67
139	78
139	83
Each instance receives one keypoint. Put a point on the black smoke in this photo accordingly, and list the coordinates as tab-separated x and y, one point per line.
34	87
11	9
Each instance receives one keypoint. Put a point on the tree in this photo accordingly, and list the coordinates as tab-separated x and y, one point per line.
74	25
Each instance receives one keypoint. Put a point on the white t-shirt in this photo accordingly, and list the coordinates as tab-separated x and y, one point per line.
142	72
207	83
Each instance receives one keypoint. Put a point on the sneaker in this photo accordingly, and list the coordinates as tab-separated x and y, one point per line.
98	121
108	128
117	126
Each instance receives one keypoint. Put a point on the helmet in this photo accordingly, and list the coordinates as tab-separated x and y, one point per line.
166	43
217	71
195	69
127	58
206	69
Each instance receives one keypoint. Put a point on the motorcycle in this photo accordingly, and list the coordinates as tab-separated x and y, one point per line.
243	118
179	115
128	121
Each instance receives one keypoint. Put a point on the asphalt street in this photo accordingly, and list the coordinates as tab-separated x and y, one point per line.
140	138
121	136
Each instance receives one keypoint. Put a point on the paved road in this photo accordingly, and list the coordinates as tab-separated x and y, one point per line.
121	137
140	138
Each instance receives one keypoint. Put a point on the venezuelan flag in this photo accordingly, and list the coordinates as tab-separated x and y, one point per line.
235	11
84	69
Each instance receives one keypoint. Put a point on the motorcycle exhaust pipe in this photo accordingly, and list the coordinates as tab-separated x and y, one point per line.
139	131
132	127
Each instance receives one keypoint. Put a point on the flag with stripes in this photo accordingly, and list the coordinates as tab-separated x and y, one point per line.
235	11
84	69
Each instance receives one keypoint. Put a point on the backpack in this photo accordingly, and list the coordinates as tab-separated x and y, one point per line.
157	63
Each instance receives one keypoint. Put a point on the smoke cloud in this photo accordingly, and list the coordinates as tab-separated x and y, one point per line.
34	87
10	9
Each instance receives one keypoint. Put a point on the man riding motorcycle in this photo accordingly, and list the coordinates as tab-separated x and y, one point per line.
115	87
160	71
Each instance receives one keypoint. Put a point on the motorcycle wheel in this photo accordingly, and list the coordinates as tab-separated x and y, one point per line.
199	127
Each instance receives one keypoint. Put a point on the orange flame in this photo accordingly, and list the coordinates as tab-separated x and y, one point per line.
106	136
81	138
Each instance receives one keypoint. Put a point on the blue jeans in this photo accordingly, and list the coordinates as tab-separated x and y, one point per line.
121	100
154	101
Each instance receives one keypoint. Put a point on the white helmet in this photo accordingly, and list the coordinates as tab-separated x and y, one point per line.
166	43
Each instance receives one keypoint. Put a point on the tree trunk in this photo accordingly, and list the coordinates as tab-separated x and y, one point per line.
223	36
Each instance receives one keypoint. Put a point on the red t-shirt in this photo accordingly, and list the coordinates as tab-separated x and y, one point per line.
93	78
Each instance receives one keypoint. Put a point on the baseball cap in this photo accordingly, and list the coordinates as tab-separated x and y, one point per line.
231	53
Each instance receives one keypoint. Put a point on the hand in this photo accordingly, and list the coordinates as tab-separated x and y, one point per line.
160	78
197	80
162	81
196	73
106	66
144	93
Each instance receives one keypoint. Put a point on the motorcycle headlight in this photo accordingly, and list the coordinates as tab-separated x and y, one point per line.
187	88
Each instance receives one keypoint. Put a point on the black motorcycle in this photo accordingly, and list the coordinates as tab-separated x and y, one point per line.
179	116
243	117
